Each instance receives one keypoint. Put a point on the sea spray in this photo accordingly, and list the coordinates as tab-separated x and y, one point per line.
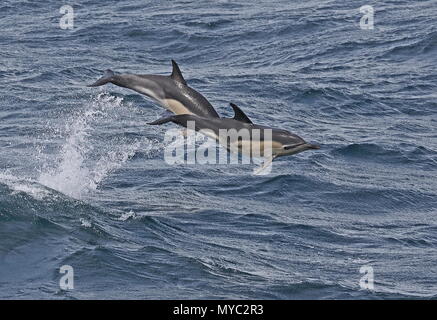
88	155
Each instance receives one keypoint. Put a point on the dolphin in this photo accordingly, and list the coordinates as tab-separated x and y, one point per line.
171	92
283	142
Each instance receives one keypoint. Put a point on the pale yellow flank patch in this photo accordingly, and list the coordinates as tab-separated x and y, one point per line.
176	107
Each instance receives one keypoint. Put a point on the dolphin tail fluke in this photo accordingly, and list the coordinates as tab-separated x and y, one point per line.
162	120
180	119
107	77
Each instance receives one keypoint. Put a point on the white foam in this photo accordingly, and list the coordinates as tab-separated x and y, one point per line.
27	186
85	223
127	215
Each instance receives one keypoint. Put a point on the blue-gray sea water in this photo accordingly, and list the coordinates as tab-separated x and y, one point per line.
83	181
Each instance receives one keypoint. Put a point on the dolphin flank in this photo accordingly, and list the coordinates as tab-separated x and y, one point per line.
171	92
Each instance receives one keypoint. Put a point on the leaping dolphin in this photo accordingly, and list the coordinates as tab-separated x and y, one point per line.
171	92
283	142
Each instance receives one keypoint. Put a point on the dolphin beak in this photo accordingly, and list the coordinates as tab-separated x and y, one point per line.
313	146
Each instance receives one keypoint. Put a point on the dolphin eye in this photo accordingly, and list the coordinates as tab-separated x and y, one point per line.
291	146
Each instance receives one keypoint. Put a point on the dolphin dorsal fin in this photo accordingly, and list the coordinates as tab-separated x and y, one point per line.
176	74
239	114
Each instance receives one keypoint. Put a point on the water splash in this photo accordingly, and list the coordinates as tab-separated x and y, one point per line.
24	185
89	154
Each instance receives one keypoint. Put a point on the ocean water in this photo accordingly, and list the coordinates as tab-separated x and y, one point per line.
83	181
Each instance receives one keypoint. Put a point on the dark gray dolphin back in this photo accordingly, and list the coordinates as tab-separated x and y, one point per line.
192	99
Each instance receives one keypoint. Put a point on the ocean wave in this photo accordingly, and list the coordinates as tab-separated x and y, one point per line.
378	153
426	45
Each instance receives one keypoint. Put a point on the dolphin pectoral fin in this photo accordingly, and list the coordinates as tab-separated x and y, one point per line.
107	77
176	74
239	114
265	168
